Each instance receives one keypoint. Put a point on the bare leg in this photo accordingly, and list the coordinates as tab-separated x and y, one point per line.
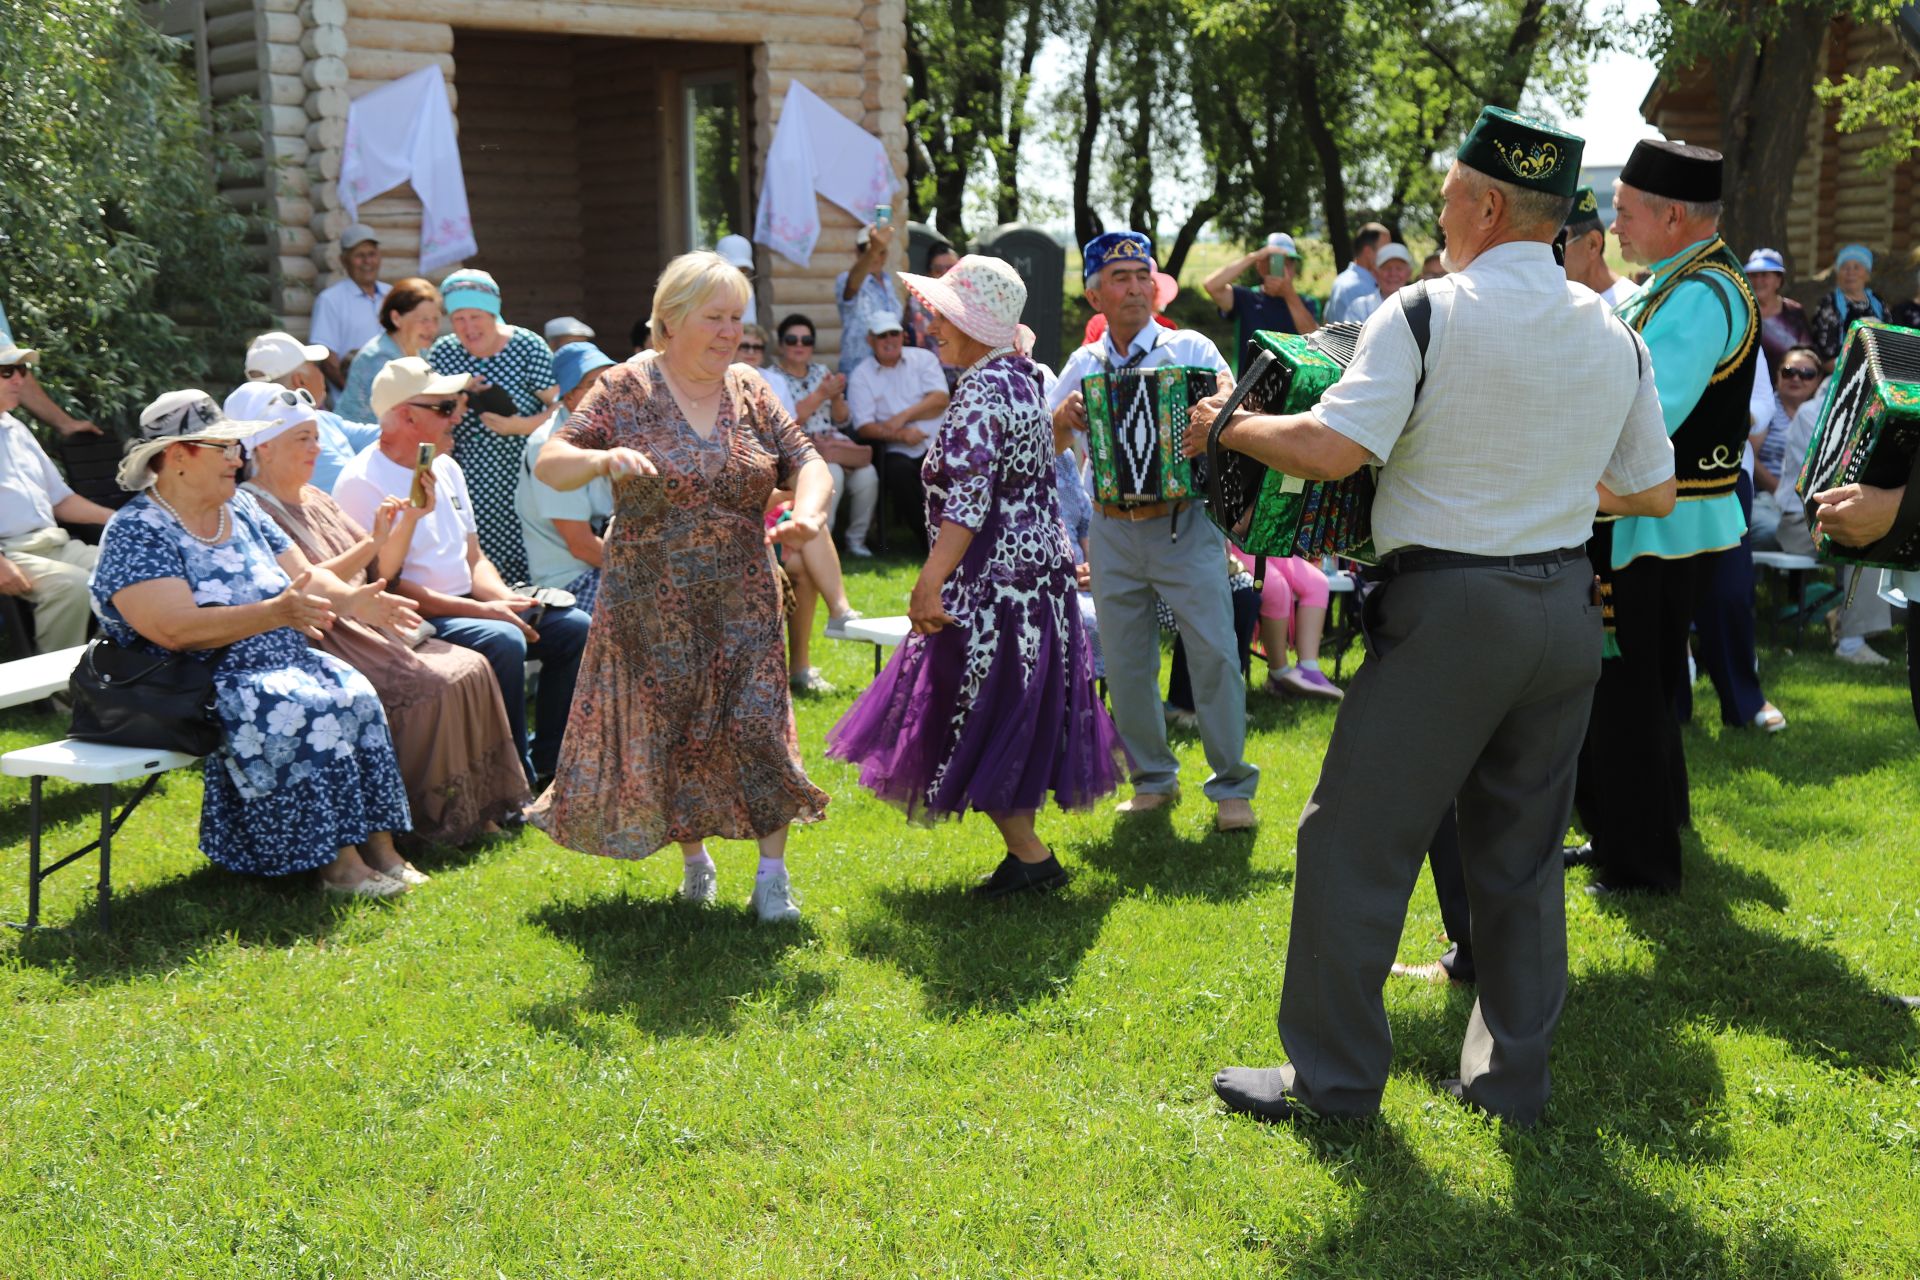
823	565
800	625
1309	620
1273	638
347	868
1017	830
774	847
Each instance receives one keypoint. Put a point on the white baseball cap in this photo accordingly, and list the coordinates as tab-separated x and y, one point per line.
1393	253
567	327
410	376
273	356
279	408
880	322
357	234
736	249
11	354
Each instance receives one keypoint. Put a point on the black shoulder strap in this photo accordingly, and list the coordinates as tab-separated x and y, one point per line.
1419	312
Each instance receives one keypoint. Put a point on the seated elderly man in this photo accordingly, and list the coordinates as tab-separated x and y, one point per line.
563	530
445	573
897	399
39	560
295	365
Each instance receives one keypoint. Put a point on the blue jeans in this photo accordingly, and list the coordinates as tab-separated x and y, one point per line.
563	634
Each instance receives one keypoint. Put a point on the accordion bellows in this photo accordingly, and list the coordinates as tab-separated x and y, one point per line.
1265	512
1869	434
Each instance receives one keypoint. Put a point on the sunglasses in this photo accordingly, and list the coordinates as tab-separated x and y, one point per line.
796	340
439	408
753	346
1799	374
295	396
231	450
12	371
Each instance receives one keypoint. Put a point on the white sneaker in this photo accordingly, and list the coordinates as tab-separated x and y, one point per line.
810	681
858	550
773	898
1864	656
699	882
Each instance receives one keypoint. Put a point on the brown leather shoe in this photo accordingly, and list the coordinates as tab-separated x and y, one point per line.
1148	801
1234	814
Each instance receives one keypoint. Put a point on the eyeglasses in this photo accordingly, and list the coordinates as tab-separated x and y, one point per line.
1799	373
12	371
753	346
231	450
796	339
439	408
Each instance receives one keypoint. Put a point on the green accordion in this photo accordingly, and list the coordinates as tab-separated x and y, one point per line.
1869	434
1266	512
1136	421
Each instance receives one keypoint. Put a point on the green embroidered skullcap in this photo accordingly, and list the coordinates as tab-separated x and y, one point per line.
1519	149
1585	214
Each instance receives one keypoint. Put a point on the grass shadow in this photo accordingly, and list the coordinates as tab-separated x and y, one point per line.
1145	853
162	927
672	969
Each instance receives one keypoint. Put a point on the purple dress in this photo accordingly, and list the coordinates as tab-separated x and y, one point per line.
993	713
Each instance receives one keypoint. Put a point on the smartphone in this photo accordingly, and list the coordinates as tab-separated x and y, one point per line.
882	214
421	465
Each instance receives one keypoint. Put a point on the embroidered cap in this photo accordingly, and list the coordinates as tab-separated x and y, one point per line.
1585	214
1526	152
1674	171
981	296
1116	246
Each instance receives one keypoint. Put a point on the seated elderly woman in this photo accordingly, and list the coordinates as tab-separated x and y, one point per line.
449	726
305	778
682	726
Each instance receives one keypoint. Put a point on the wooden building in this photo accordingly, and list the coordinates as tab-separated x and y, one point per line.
1837	199
599	137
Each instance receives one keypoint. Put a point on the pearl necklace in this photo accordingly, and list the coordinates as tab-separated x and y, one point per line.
220	531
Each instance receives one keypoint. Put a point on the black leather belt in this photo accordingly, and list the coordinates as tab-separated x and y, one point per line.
1418	559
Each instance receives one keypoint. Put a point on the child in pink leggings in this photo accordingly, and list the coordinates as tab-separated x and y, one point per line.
1295	590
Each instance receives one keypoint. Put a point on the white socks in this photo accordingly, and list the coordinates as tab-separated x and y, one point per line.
700	859
770	865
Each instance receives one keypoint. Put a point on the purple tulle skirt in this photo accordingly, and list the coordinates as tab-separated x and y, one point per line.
964	719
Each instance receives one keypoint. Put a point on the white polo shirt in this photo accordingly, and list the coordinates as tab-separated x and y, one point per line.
875	391
1533	392
437	556
346	317
30	485
1160	346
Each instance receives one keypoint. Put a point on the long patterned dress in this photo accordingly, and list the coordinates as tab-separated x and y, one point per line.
681	725
993	713
307	764
449	725
524	367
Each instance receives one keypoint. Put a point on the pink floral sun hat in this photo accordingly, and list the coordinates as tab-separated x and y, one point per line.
982	296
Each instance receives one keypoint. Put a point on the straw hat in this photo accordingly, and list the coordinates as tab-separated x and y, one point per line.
982	296
176	418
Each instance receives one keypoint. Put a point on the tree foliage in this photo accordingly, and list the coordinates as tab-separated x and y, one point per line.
117	255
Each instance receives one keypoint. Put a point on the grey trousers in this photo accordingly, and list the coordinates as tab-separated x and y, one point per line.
1480	689
1131	562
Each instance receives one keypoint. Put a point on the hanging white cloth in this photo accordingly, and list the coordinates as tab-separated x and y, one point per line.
403	132
817	151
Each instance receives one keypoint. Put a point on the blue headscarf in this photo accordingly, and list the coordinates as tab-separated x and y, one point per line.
1864	256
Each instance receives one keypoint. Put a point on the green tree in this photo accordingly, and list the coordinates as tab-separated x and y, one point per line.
117	254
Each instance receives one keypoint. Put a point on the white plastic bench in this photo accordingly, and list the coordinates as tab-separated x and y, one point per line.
1799	570
94	764
881	633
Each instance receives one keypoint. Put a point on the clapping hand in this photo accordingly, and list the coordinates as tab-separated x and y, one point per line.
305	611
377	607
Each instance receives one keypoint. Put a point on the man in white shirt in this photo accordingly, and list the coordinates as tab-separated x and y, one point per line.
39	561
897	399
295	365
346	314
1137	551
1483	638
445	573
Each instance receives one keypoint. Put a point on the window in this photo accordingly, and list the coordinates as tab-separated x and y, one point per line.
712	112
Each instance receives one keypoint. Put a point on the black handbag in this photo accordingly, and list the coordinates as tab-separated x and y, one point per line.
134	699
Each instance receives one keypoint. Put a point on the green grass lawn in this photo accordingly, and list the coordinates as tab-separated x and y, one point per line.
542	1065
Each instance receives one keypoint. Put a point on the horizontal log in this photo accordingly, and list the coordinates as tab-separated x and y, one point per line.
735	25
242	55
289	151
815	57
328	104
324	13
389	33
325	42
391	64
278	6
355	88
251	197
237	28
496	165
297	267
221	8
325	73
285	91
292	180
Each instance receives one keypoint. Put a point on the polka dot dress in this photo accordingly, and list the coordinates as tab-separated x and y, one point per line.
492	461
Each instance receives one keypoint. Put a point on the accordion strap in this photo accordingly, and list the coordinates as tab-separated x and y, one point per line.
1419	312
